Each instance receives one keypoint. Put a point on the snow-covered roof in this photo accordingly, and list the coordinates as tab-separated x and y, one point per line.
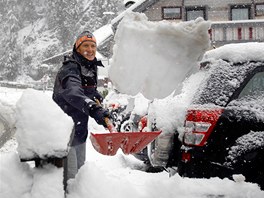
138	6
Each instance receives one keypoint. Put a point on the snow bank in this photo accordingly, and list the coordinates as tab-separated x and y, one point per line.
155	57
8	101
43	129
15	179
19	180
131	183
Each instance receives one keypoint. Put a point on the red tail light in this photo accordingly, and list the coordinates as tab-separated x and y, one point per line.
142	123
186	157
199	124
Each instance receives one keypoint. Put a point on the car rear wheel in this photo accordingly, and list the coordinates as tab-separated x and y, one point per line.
251	166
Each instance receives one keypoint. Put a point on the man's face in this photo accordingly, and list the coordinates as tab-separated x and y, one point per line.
88	50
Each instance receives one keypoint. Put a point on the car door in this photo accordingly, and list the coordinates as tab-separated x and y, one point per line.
244	113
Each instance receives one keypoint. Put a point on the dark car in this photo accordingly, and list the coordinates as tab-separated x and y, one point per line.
224	126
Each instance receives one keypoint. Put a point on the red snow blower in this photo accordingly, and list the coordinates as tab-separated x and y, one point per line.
129	142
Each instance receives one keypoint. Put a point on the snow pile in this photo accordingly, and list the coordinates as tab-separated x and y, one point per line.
123	182
27	182
43	129
7	114
114	97
158	56
140	105
114	177
169	113
239	52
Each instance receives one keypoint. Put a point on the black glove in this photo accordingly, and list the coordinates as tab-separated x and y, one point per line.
98	96
98	113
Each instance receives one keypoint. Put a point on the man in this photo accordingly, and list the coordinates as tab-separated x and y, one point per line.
75	91
45	80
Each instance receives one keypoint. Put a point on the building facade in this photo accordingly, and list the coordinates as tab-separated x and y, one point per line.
214	10
233	21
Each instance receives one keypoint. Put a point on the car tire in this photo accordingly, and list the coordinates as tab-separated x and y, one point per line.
251	166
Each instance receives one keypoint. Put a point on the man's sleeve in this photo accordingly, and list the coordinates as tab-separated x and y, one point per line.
72	89
98	96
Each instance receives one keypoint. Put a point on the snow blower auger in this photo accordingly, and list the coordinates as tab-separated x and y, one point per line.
129	142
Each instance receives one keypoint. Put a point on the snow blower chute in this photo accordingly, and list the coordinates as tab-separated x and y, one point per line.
129	142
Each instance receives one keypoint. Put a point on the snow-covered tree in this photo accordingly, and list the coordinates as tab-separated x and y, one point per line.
98	13
62	17
25	24
27	11
12	52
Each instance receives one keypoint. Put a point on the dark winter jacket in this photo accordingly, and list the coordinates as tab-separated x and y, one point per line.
75	87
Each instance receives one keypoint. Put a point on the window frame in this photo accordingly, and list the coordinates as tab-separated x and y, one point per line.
257	4
248	6
196	8
172	7
248	89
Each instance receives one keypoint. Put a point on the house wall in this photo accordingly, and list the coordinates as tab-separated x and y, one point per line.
220	10
154	13
217	10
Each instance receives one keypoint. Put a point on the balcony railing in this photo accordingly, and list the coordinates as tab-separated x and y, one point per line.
225	32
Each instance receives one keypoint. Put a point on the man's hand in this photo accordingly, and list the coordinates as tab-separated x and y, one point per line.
98	113
98	96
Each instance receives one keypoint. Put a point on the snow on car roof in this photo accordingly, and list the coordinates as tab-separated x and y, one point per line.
239	52
223	80
229	65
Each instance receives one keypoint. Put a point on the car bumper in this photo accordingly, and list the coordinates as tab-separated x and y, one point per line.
199	165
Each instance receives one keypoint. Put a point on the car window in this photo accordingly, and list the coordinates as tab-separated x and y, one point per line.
255	86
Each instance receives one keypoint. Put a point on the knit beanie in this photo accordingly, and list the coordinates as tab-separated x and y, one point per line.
84	36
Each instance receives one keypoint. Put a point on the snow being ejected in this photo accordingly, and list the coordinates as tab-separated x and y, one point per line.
155	57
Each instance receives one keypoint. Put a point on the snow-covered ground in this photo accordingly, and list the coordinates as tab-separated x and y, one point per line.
105	176
116	176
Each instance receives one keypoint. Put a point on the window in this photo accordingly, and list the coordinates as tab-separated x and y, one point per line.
171	12
240	12
254	87
193	13
259	10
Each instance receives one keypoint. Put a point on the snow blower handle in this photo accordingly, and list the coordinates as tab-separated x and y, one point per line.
110	125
